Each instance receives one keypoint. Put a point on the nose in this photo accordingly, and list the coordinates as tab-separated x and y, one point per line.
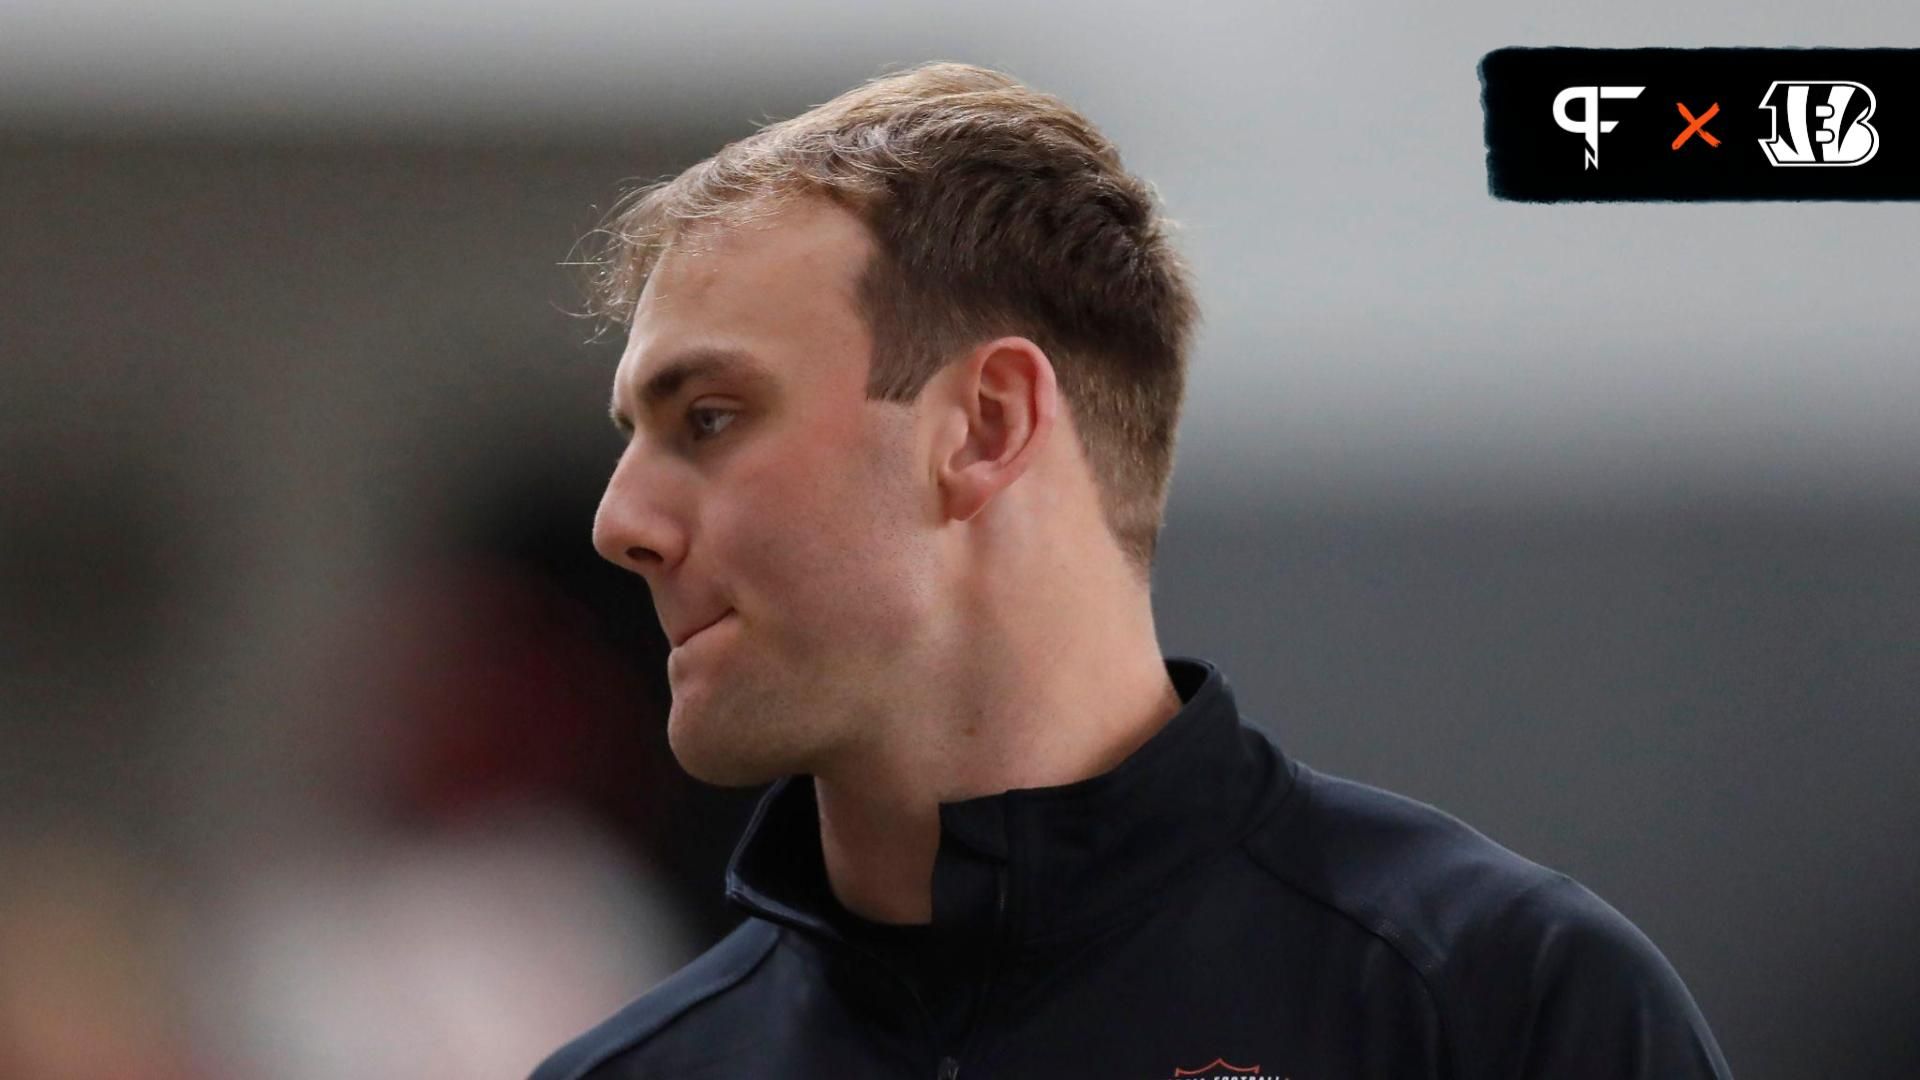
636	527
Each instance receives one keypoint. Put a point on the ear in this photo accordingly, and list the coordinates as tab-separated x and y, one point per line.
1004	402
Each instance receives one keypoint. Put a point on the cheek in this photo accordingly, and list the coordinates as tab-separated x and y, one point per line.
829	542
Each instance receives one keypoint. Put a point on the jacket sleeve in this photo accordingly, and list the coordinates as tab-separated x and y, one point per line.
1554	983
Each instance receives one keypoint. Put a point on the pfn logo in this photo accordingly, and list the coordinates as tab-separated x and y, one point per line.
1826	124
1590	124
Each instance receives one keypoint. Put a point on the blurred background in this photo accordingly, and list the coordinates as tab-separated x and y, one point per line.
328	748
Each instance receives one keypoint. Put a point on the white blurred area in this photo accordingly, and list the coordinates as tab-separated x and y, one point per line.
327	748
473	954
470	953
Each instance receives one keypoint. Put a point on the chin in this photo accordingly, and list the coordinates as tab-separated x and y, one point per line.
722	747
721	770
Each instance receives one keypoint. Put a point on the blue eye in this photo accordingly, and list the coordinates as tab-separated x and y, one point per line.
705	423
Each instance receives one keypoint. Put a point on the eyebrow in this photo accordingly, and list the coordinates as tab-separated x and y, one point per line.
701	361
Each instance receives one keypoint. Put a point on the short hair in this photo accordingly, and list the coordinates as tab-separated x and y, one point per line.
995	209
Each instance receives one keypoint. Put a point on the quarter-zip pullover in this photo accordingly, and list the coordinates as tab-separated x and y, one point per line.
1207	908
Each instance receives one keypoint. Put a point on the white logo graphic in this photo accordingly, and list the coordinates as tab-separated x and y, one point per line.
1826	124
1590	124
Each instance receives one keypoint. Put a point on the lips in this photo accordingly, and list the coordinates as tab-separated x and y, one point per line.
683	636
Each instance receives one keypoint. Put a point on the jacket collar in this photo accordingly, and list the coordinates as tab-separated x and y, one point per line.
1044	865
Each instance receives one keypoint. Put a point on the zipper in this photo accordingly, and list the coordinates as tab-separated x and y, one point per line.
874	961
950	1065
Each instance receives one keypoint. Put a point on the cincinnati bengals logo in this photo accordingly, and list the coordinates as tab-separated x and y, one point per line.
1824	123
1219	1067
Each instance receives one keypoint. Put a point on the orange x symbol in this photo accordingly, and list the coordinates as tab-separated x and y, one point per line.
1699	125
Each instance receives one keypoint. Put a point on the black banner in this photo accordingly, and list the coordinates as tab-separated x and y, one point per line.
1585	125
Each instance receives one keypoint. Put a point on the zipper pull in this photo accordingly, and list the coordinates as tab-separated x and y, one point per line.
949	1069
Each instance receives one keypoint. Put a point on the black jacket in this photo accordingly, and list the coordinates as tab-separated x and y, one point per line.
1207	908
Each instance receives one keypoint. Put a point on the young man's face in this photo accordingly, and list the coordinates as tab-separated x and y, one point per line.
760	488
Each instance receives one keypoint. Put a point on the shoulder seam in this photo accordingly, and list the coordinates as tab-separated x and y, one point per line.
1238	844
1378	927
714	987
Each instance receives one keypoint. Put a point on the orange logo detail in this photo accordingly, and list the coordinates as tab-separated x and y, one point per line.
1697	124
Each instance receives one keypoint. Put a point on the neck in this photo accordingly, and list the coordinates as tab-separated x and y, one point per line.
1059	700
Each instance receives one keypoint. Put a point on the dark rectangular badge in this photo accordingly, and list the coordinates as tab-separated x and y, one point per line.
1583	125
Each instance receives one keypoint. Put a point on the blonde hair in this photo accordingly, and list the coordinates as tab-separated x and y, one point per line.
995	209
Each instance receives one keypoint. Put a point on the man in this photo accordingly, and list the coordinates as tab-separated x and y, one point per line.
900	397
